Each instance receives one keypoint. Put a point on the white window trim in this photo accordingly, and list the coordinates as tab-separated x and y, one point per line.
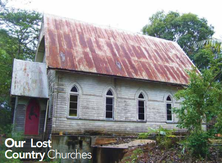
75	94
145	106
169	102
113	106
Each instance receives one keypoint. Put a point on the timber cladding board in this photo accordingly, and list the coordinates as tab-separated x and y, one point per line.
92	106
19	118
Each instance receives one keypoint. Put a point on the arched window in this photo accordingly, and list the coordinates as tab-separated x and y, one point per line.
169	108
109	104
73	102
141	107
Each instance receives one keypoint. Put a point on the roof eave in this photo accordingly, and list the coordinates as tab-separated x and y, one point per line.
116	76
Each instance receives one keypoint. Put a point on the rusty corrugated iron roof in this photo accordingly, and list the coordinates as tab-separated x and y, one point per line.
29	79
74	45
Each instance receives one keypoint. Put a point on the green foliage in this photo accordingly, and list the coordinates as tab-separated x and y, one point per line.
134	157
202	99
5	160
203	57
197	144
136	153
6	55
163	136
210	51
5	121
202	102
24	26
18	39
17	136
47	159
186	29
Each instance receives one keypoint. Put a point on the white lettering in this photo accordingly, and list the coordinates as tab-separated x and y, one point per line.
17	144
71	155
84	154
39	144
27	155
49	142
42	155
34	155
6	142
15	155
32	146
49	155
89	155
7	155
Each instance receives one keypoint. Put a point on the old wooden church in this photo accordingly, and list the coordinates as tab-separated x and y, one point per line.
89	79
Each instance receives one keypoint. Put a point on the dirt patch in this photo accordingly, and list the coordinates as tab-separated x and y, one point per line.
150	153
120	143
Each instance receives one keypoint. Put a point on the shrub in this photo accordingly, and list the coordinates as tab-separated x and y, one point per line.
163	136
198	144
5	121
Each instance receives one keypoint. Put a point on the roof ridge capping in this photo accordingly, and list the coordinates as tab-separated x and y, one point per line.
108	27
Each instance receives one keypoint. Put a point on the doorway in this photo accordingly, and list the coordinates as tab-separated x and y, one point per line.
32	118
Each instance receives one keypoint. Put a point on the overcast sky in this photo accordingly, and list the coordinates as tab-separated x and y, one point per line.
129	15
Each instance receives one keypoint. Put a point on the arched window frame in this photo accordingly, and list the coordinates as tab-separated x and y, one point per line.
107	103
169	106
139	100
74	94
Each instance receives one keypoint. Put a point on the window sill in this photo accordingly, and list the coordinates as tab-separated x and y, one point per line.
70	117
142	121
109	119
171	122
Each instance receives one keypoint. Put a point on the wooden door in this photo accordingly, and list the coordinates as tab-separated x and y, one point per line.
32	118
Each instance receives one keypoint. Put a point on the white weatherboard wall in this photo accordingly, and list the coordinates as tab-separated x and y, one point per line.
92	91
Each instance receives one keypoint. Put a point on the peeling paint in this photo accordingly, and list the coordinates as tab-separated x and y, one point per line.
29	79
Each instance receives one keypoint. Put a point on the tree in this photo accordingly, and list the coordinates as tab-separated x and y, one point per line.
22	25
209	50
202	102
186	29
6	59
18	39
202	99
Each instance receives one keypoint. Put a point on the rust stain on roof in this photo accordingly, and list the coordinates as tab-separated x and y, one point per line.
73	45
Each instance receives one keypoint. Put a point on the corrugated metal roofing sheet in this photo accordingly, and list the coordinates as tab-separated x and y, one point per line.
29	79
74	45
